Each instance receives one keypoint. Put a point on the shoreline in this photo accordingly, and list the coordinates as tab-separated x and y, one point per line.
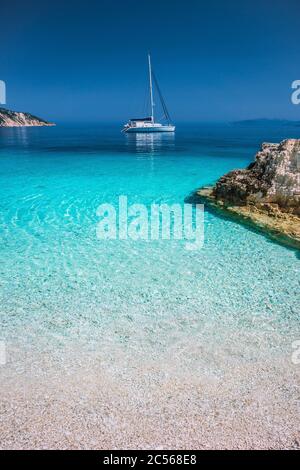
27	125
267	218
265	195
85	401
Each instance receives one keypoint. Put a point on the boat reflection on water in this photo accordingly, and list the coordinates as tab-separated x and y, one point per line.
144	143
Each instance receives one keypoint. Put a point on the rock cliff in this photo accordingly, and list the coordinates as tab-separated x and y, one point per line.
16	119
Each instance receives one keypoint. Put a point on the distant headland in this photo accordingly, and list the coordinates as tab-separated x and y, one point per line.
16	119
264	122
265	195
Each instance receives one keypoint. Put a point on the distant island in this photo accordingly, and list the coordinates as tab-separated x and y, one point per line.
16	119
265	195
266	123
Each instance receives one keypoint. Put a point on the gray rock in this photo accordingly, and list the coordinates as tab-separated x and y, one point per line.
273	178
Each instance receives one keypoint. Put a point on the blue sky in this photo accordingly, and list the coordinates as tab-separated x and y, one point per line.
87	60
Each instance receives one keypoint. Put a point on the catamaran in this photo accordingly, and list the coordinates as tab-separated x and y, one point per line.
148	124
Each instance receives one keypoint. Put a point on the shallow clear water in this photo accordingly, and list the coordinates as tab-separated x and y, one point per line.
235	301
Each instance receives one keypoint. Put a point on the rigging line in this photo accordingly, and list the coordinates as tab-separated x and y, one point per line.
161	97
166	112
145	103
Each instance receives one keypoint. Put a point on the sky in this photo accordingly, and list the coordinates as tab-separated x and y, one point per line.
87	60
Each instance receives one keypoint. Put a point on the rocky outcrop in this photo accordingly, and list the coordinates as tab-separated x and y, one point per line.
16	119
266	194
273	178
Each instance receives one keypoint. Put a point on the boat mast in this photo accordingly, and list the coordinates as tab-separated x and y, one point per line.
151	91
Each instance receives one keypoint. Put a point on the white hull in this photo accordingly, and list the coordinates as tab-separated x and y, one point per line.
149	129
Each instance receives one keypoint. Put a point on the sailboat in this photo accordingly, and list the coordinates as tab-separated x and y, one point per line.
148	124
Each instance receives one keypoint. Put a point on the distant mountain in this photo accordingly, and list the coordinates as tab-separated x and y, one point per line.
266	123
15	119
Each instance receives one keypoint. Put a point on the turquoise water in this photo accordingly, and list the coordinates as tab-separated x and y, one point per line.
237	297
53	180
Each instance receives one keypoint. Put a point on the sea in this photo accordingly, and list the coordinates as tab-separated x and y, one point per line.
133	343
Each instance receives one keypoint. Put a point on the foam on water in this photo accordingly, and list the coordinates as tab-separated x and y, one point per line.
181	333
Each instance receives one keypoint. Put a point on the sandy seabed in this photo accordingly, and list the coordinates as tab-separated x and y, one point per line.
205	397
